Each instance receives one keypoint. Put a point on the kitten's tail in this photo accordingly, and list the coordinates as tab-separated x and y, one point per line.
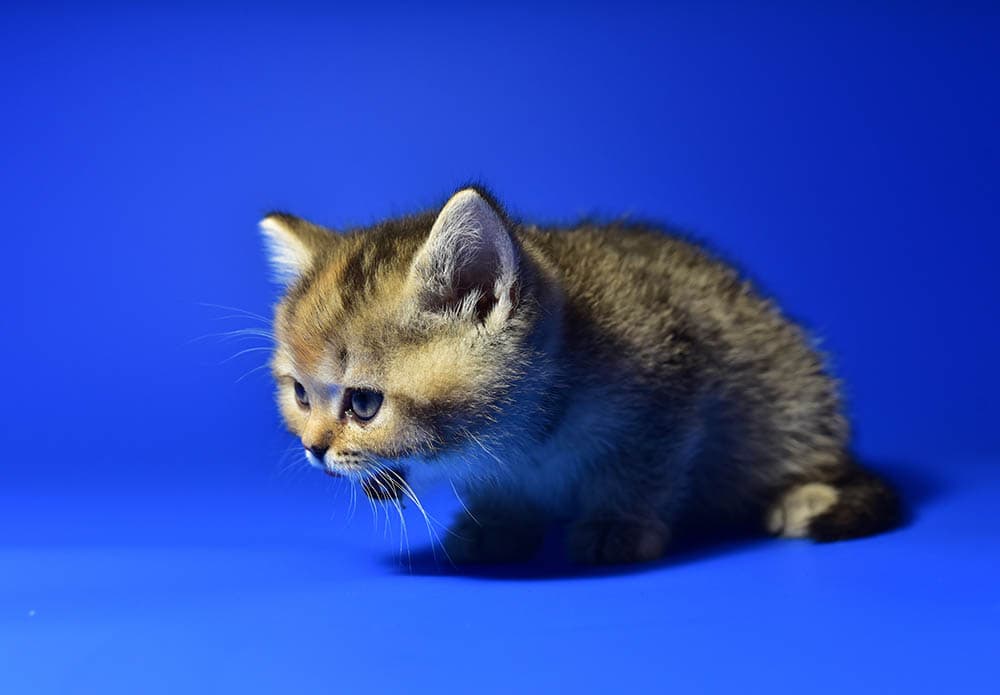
849	502
865	505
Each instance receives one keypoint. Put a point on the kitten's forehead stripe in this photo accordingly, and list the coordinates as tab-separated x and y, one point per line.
352	292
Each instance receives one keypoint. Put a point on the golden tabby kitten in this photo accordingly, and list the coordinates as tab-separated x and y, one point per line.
610	377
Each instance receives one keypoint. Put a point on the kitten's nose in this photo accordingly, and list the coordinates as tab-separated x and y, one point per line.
318	450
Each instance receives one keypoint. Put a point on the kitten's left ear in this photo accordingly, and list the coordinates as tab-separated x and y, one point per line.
292	244
469	262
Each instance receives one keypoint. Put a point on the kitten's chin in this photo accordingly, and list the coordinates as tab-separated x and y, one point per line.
379	480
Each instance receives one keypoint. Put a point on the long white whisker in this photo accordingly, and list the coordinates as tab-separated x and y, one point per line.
428	519
402	521
244	312
371	503
376	504
239	333
462	502
483	447
255	369
406	534
285	465
354	502
247	351
388	495
402	533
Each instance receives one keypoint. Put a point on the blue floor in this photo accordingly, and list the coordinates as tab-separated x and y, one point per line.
279	592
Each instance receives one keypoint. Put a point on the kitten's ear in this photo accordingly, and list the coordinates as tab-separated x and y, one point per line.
292	245
469	262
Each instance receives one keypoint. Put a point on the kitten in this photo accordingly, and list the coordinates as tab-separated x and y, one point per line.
613	378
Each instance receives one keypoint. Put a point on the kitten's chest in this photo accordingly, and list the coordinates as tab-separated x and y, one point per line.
548	480
553	472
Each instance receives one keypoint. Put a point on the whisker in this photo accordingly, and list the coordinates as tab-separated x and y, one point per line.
237	334
388	495
255	369
285	465
428	519
244	312
402	530
354	502
406	534
371	503
462	502
246	351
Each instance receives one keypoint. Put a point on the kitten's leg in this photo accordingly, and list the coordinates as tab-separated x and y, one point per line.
625	510
852	502
618	540
494	531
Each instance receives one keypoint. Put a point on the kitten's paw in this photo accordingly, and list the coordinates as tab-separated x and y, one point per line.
617	542
469	542
792	514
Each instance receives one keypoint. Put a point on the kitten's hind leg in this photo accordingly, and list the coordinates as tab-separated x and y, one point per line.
853	503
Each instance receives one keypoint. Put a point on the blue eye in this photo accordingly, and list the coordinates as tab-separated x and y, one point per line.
365	403
301	396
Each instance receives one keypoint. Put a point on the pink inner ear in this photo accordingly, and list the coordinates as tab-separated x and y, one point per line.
477	273
452	297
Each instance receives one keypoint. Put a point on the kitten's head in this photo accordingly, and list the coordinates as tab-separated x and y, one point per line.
403	342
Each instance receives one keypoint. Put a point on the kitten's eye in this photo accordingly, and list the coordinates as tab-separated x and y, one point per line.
301	396
365	403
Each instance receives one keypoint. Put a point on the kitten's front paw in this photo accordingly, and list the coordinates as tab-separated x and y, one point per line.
617	542
469	542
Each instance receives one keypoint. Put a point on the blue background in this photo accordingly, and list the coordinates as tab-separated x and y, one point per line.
159	532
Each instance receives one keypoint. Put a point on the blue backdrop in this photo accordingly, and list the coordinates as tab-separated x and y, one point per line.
160	532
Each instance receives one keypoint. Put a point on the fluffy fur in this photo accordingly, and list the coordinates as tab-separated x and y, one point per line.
614	378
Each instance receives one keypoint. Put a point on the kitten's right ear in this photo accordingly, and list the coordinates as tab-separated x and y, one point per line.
292	245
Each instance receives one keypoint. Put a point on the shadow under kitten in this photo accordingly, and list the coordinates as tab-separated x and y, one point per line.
692	544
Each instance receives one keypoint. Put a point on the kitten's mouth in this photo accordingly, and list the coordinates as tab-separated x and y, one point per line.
343	470
352	466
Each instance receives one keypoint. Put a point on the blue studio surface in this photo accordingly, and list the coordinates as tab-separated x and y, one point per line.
161	533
